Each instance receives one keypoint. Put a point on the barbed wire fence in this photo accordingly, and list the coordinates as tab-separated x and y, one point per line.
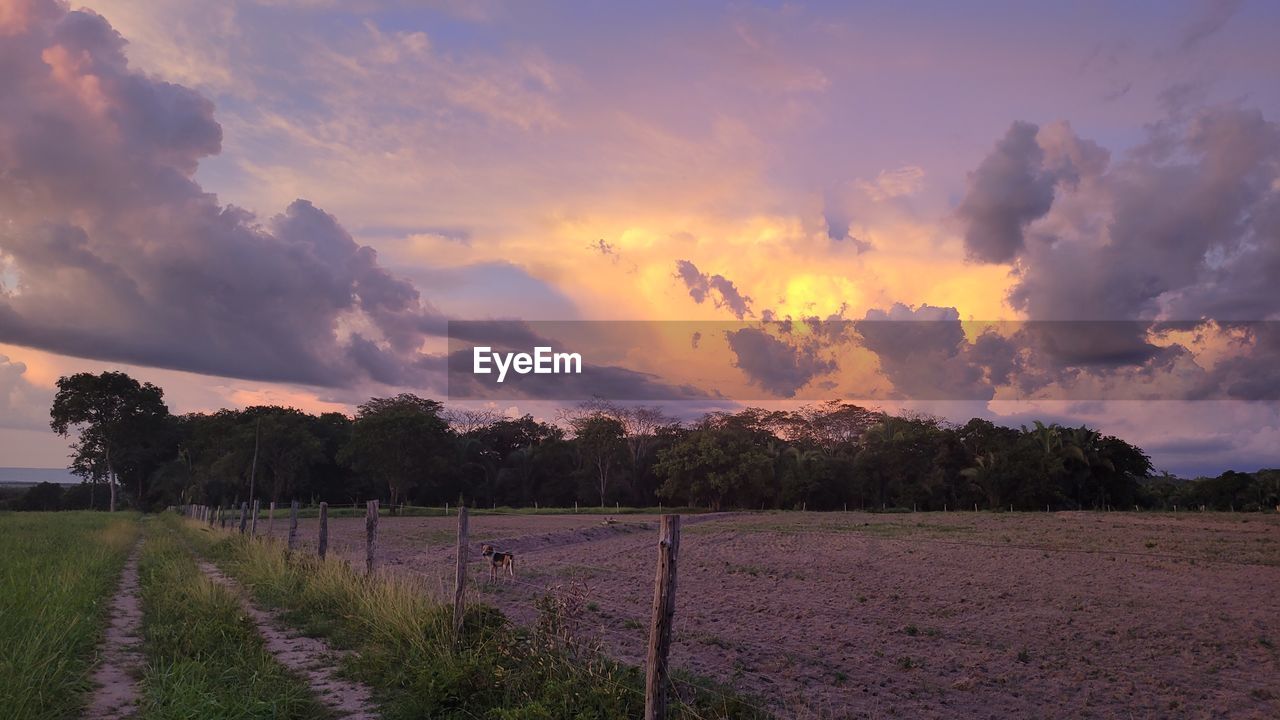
555	607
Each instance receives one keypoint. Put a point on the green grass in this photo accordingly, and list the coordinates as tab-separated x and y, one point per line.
205	659
57	574
402	642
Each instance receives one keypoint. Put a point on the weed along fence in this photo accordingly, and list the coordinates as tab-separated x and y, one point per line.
662	689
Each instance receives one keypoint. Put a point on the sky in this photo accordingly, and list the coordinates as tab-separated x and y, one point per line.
287	201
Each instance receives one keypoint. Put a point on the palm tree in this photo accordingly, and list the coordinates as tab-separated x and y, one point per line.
985	476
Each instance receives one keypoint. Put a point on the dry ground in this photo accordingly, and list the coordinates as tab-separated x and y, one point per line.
915	615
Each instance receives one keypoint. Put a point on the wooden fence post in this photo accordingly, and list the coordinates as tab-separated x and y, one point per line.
323	546
460	574
370	534
293	524
244	515
271	516
664	610
253	524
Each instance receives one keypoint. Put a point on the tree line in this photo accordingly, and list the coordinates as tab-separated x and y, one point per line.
412	450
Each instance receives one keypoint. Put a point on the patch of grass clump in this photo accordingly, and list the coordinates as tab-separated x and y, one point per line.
58	572
205	659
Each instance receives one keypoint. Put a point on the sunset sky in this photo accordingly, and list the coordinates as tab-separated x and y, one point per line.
285	201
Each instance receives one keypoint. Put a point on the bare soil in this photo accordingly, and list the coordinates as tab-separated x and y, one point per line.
310	658
929	615
120	660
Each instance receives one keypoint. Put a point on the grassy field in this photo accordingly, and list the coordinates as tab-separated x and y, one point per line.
205	659
402	642
57	573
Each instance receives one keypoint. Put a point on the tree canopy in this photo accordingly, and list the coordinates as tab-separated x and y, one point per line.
409	449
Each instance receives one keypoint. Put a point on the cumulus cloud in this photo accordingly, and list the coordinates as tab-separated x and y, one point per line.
719	289
1010	188
20	401
773	365
1184	226
924	353
120	255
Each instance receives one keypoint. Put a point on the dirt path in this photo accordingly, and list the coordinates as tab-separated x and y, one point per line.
310	658
121	662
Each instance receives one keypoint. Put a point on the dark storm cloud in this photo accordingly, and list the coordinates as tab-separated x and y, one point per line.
924	353
718	288
121	255
1192	446
697	284
1009	189
997	355
773	365
610	382
835	216
1185	226
1254	372
501	334
838	223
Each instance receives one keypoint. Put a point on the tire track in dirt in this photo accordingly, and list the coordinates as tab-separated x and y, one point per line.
116	695
310	658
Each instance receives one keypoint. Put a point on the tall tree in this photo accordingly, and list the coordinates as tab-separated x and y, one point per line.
400	440
602	445
716	467
122	427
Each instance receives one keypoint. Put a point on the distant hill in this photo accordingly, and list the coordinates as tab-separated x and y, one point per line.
31	476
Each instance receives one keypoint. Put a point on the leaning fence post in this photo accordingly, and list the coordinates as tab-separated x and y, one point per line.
460	574
244	515
664	610
271	516
253	524
293	524
323	546
370	534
